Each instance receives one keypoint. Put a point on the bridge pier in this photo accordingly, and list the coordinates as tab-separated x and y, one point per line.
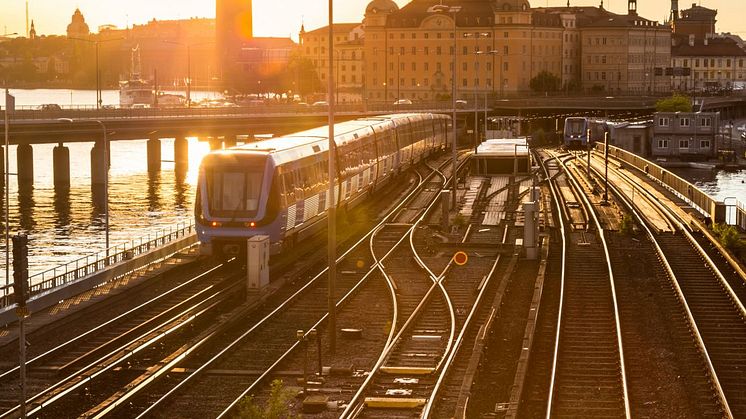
154	155
25	159
215	143
229	141
61	166
181	154
99	171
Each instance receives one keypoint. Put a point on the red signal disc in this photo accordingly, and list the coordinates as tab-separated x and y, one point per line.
460	258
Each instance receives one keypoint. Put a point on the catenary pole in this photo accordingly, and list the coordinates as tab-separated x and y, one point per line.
331	213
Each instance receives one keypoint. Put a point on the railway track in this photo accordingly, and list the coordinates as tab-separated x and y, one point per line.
589	376
70	366
711	306
411	374
243	361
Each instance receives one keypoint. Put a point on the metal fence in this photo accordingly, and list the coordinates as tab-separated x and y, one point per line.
697	198
96	262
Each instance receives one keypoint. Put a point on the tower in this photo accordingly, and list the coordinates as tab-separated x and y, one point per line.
234	27
32	31
27	30
674	11
632	7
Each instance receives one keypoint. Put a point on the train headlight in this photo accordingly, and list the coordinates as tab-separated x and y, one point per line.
216	224
250	224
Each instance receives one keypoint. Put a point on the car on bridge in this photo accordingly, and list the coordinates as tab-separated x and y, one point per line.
50	107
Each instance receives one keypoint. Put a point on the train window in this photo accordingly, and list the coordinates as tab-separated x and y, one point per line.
234	193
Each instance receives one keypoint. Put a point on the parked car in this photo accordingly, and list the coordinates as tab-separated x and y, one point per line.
320	104
50	107
461	104
402	102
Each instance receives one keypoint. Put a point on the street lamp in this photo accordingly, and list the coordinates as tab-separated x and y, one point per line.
98	72
476	36
493	53
106	177
453	10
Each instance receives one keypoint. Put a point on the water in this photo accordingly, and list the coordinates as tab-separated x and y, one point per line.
63	97
721	185
64	226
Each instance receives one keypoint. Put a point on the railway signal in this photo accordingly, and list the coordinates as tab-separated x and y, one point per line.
460	258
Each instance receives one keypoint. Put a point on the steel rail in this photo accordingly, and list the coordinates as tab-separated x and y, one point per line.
182	319
354	406
379	264
687	232
277	310
555	361
98	328
699	340
459	340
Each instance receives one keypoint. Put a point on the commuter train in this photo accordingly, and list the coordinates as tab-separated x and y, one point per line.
279	187
576	131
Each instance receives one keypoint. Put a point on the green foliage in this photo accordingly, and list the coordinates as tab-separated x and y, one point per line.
545	82
676	103
728	236
277	407
626	227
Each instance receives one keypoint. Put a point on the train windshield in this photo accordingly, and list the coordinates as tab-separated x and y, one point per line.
575	126
234	192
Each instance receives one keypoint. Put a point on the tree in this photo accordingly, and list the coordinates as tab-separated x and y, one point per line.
278	406
545	82
676	103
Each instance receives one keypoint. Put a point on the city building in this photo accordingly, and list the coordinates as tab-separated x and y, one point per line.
685	135
702	59
615	53
77	27
497	47
635	137
348	60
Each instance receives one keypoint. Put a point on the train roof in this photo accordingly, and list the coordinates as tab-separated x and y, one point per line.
503	147
309	142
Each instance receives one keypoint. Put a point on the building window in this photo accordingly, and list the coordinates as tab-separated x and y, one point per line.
705	122
662	122
684	122
427	50
438	51
465	50
465	82
427	66
414	66
427	35
683	143
505	34
662	143
464	66
704	144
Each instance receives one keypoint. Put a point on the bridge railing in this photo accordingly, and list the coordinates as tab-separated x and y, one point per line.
697	198
93	263
83	113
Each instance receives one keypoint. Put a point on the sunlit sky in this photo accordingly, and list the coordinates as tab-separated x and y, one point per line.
283	17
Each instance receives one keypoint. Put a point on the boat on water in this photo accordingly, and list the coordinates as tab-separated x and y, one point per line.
136	92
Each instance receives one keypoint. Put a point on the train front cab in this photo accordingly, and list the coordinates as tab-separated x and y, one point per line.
233	202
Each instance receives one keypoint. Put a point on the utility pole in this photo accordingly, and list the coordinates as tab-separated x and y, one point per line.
331	213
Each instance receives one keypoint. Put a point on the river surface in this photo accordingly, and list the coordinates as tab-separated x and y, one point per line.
67	225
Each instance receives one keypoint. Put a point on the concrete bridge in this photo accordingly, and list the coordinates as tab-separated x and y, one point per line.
221	126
